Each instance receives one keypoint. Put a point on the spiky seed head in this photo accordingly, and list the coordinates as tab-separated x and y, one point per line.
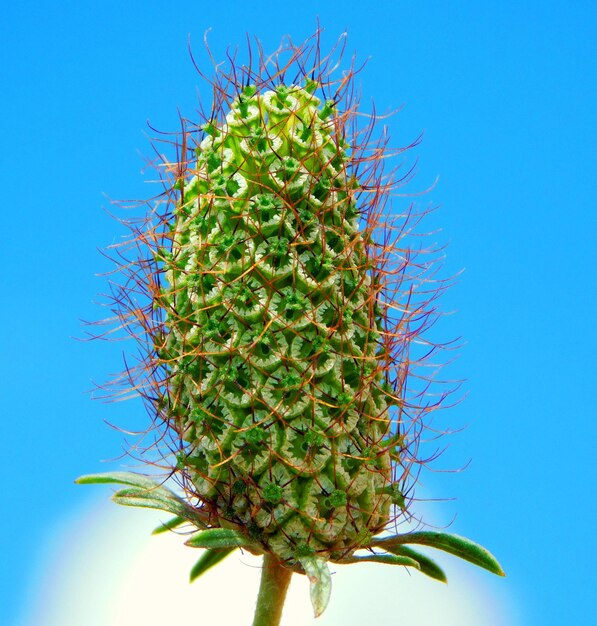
277	323
266	250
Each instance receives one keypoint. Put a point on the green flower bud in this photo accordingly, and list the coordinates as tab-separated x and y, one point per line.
277	309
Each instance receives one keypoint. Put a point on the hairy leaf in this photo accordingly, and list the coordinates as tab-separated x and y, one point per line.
123	478
142	498
454	544
175	522
208	560
426	565
389	559
219	538
145	492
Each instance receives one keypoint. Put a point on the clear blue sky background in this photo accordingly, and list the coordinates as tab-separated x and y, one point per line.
506	94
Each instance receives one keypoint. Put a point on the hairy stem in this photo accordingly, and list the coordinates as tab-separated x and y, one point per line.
272	592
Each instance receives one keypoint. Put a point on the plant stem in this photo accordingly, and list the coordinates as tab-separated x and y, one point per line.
275	579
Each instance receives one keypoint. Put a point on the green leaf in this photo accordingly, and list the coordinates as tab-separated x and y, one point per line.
175	522
139	481
137	497
454	544
219	538
426	565
318	572
208	560
388	559
123	478
133	496
145	492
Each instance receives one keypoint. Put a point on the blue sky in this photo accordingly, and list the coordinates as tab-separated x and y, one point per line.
505	93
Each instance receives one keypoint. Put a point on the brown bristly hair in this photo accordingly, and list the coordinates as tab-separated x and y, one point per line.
405	286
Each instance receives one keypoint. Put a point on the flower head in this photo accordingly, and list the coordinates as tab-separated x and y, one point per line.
278	301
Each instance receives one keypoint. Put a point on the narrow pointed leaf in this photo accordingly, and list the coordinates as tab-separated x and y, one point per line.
168	501
122	478
219	538
134	496
139	482
208	560
426	565
454	544
145	492
389	559
318	572
175	522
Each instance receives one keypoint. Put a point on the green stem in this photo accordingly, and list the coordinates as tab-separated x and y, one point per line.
275	579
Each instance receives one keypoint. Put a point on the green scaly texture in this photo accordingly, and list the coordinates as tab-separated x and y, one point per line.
272	332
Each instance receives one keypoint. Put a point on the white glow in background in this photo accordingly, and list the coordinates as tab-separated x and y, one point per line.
106	570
